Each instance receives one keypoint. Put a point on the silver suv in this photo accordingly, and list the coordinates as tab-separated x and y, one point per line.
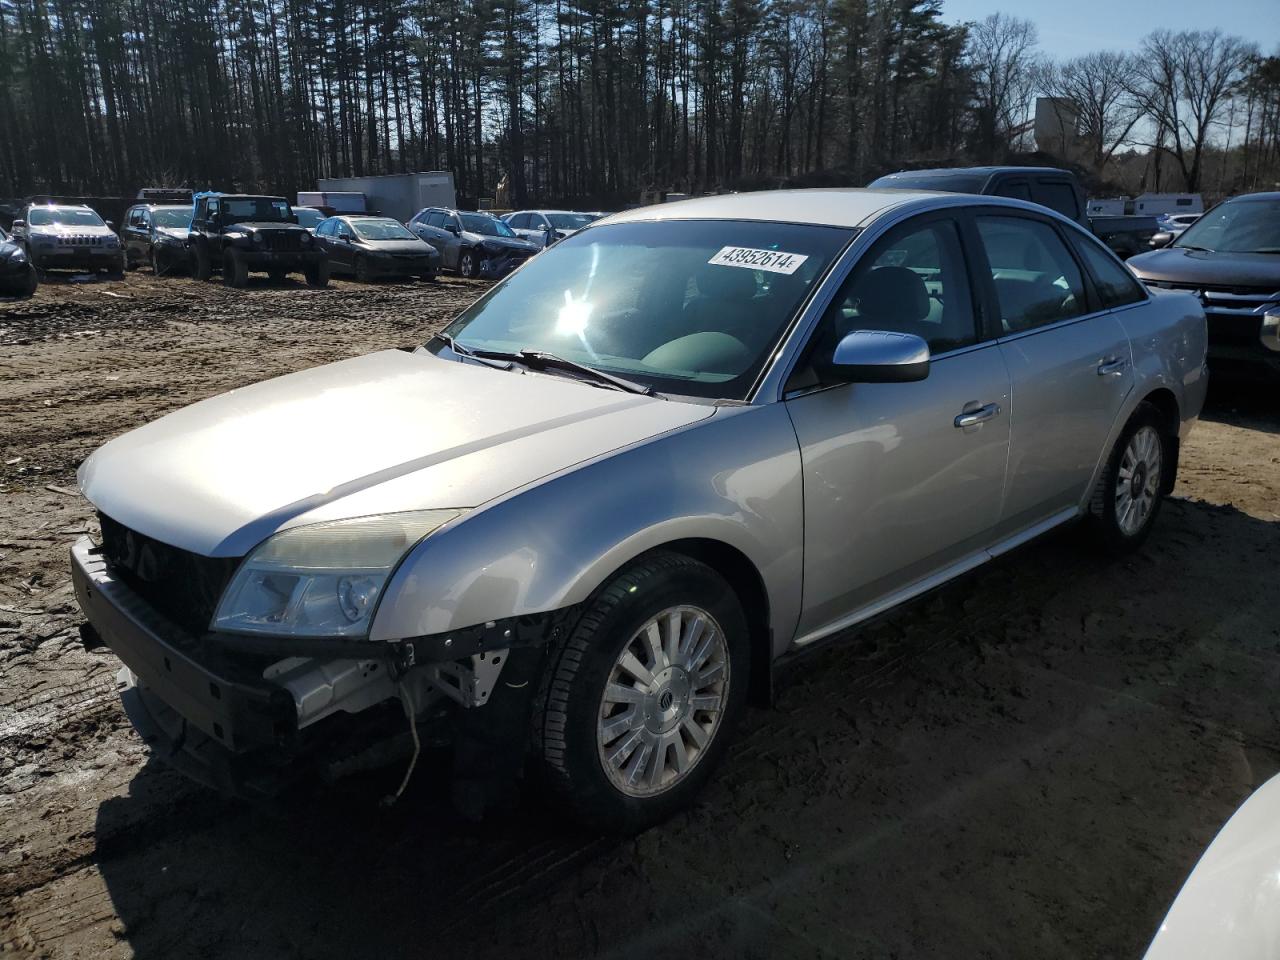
68	237
589	516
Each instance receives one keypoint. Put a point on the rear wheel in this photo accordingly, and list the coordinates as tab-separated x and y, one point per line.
235	271
317	274
640	700
1127	499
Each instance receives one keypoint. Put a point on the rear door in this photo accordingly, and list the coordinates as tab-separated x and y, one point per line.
901	480
1069	362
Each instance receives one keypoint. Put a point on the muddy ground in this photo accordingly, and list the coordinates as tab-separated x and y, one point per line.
1026	764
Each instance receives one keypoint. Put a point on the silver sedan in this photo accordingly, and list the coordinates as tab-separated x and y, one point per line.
590	516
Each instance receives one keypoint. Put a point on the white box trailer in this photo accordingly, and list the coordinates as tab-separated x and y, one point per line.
337	201
398	195
1151	204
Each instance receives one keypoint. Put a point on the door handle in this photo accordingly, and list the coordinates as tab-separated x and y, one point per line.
973	418
1110	365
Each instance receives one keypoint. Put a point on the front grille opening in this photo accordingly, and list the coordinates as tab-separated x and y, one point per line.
183	586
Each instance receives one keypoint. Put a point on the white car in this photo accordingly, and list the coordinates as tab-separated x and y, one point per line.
546	227
1230	905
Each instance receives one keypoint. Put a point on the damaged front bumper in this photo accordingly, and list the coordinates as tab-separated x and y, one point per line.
247	715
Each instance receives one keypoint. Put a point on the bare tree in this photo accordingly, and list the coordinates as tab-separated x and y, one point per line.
1183	82
1002	50
1097	88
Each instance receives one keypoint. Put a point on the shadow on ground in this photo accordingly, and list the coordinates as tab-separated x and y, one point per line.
1027	763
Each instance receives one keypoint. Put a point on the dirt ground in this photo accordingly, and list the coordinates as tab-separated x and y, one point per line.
1026	764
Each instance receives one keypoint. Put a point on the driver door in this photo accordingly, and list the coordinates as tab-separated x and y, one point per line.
901	480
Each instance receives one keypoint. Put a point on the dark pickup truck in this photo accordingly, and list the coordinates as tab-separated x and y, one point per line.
1059	190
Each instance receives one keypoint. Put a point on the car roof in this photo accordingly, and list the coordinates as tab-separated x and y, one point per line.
988	171
830	207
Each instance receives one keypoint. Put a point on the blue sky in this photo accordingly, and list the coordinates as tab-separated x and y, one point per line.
1069	28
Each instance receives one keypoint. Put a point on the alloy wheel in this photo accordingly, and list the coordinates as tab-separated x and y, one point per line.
663	701
1138	480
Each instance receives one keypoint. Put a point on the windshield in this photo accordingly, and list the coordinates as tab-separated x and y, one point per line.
1236	226
570	221
171	216
689	307
485	226
308	218
382	230
67	216
251	209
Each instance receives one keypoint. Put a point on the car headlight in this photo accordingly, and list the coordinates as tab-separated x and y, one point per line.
306	239
18	257
324	579
111	242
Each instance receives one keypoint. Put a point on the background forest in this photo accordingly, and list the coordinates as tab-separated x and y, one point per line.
597	103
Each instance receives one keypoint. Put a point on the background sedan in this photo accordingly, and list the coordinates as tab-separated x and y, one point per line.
370	247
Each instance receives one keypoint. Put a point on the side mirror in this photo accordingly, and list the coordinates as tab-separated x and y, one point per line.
452	228
17	225
879	356
1161	239
111	224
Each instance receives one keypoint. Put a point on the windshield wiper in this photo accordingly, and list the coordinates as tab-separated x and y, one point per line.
544	359
483	357
541	359
1190	246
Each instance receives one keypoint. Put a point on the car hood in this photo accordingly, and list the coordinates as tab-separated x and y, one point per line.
511	243
68	230
249	226
386	432
1180	265
1230	905
418	247
174	233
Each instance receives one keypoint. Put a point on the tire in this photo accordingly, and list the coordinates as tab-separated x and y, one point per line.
576	728
317	274
362	271
155	264
235	272
203	268
1127	498
33	282
277	275
469	264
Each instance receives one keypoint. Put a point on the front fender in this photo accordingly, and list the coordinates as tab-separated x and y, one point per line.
732	478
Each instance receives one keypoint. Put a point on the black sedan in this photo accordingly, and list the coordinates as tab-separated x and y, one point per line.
17	275
370	247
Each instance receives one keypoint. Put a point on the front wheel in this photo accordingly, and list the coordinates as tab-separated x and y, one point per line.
203	262
1127	499
235	271
640	701
317	274
362	271
469	264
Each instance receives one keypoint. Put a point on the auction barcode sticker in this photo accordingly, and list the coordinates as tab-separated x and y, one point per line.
775	261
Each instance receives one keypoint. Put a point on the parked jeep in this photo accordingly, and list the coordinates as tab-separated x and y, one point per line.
68	237
239	234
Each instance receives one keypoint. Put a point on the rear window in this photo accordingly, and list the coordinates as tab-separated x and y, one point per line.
1058	195
1115	284
949	182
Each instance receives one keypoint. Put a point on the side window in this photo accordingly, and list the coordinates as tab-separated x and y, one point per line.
1036	279
519	222
325	228
1058	195
144	218
1116	285
912	281
435	219
1014	189
135	217
213	208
